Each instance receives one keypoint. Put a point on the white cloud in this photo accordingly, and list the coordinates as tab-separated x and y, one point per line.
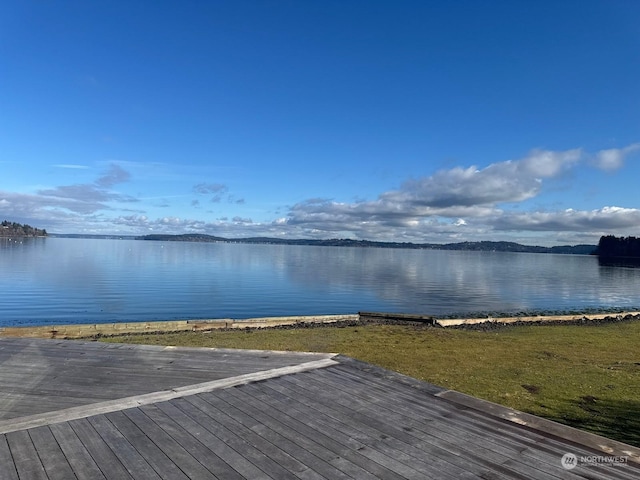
116	174
206	188
458	204
78	167
455	193
217	190
463	201
67	208
613	159
90	197
600	220
548	164
241	220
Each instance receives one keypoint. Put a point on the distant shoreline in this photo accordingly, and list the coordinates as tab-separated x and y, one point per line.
482	246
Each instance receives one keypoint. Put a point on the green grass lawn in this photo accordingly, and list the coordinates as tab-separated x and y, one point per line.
584	376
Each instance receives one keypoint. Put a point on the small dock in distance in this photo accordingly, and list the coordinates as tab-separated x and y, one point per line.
72	409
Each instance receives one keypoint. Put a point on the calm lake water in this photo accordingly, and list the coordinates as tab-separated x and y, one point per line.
60	280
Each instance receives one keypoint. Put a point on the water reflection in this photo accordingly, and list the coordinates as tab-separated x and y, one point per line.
73	280
630	262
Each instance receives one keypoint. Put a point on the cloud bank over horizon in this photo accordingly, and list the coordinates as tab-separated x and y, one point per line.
463	203
425	122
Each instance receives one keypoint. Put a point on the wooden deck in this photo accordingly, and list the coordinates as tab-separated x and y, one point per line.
88	410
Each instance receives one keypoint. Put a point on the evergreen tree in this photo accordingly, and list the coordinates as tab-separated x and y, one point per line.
611	246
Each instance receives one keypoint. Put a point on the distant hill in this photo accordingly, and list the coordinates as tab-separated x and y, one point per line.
93	236
187	237
345	242
13	229
516	247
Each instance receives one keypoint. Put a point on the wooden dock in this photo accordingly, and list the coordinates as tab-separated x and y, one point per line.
88	410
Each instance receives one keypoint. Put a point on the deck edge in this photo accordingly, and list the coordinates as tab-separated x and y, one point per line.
544	426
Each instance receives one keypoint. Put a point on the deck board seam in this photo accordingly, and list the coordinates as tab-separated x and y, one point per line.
499	429
108	406
284	404
279	412
403	442
438	436
253	423
544	428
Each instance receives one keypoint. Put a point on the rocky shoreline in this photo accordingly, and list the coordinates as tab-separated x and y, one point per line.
479	322
493	324
583	321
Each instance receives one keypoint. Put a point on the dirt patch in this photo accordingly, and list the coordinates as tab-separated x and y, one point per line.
533	389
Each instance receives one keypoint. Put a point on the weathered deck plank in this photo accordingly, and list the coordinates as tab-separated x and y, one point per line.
145	446
320	420
538	450
409	436
75	452
250	451
106	460
176	452
238	427
243	465
534	449
44	375
334	439
202	452
254	420
294	433
441	417
53	459
485	436
25	457
371	430
7	465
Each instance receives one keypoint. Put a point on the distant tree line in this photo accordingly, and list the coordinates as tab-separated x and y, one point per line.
617	247
13	229
344	242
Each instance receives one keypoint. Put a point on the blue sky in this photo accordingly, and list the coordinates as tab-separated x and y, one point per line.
418	121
